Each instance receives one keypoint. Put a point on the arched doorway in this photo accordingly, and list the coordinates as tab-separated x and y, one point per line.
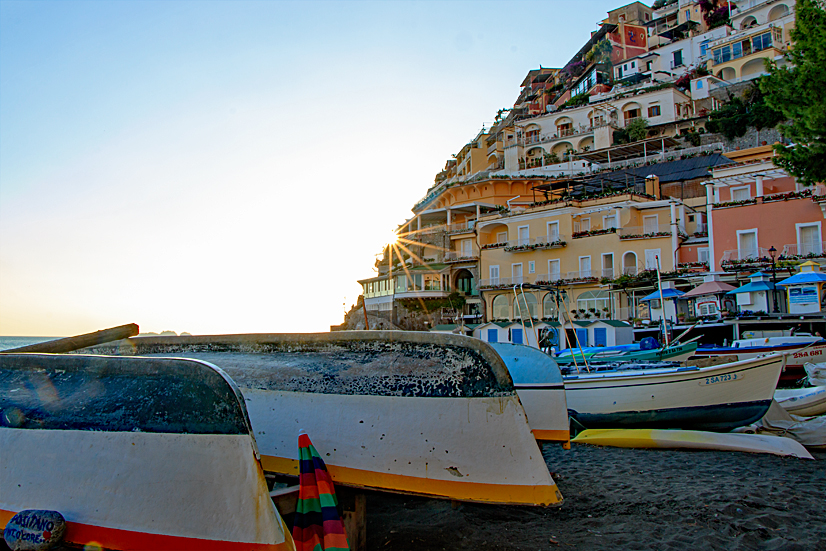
525	306
549	309
465	282
629	263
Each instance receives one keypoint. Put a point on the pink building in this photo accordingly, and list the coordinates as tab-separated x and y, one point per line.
756	211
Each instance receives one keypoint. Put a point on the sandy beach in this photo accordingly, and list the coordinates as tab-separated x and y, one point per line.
619	498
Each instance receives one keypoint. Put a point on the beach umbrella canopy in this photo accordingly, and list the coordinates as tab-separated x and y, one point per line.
318	525
667	293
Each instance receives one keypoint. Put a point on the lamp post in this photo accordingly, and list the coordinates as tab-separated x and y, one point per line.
773	252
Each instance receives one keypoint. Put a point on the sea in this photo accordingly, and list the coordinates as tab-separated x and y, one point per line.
7	343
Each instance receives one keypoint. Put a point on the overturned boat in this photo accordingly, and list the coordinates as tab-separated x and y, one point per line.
134	453
420	413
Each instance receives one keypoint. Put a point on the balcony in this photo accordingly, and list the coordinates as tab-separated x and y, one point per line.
505	282
745	259
802	251
492	149
593	233
645	232
554	241
464	227
583	276
460	256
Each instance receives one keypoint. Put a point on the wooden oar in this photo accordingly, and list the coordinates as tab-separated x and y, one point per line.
80	341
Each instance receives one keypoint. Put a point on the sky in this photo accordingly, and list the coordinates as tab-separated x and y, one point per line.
235	167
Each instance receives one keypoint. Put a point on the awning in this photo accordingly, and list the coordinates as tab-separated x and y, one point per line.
667	293
753	287
709	288
653	146
804	278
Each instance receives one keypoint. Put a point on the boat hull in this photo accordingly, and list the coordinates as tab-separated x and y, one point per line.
113	444
797	356
717	398
420	413
803	401
689	439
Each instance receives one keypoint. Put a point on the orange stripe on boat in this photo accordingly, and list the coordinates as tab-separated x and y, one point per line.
552	435
128	540
469	491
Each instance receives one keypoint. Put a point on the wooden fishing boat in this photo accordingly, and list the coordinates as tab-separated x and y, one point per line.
717	398
538	382
421	413
802	401
693	439
627	353
134	453
799	349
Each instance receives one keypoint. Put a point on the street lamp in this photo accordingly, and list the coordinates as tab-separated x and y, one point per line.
773	252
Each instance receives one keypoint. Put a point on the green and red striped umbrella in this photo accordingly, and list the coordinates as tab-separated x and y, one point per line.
318	525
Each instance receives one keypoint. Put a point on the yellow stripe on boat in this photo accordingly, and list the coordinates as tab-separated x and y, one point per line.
692	439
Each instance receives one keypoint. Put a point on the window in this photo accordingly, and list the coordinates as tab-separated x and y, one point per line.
516	273
525	306
500	307
593	299
632	114
554	268
502	237
625	67
650	223
523	235
648	65
761	42
702	254
699	85
467	248
740	193
678	59
584	266
494	275
629	263
585	224
736	50
531	267
608	265
707	308
553	231
808	239
704	47
721	55
688	15
633	64
652	257
654	111
549	309
746	244
609	221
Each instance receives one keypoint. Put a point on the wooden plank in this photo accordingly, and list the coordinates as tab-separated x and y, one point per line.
355	523
69	344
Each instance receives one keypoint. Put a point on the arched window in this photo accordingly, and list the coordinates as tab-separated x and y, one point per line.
595	303
549	306
778	11
629	263
500	307
525	306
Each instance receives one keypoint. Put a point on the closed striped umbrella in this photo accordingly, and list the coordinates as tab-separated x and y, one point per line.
318	525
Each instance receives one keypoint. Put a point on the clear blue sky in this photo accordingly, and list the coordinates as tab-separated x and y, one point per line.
235	166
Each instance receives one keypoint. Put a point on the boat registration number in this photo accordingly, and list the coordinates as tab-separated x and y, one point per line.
721	378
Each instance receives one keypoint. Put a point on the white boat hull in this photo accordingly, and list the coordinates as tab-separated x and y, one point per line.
719	397
134	453
804	402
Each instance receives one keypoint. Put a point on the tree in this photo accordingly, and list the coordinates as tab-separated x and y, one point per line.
637	129
733	119
798	92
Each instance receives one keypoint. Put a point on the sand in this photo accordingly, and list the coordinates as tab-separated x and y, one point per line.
619	499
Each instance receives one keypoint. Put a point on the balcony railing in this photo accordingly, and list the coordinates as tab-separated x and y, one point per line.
460	256
553	241
491	149
504	282
461	228
811	249
758	254
645	232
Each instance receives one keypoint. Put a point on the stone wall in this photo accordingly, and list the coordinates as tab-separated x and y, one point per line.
752	138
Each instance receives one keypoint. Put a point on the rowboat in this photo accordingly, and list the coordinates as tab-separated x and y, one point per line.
692	439
625	353
420	413
802	401
539	385
717	398
132	453
800	349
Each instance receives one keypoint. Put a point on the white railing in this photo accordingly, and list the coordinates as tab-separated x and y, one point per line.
803	249
645	231
540	242
463	227
738	255
582	275
551	277
505	281
455	256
